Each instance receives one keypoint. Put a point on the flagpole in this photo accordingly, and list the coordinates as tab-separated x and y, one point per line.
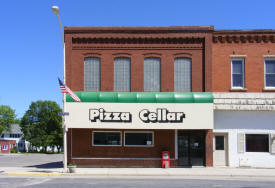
55	10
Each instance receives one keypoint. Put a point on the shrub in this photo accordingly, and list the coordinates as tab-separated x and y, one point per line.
72	163
14	150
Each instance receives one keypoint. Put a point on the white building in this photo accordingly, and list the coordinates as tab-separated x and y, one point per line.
244	130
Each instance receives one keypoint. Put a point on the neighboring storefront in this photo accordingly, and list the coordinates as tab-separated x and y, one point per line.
244	98
244	131
132	129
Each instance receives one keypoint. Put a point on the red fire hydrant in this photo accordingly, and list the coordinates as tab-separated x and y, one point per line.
165	159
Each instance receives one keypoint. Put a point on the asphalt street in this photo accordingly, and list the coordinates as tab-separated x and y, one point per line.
121	182
31	160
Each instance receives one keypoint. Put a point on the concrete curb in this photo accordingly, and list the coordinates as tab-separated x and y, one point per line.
32	174
54	174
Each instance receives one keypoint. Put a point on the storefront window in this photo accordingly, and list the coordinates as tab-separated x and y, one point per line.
257	143
106	138
139	139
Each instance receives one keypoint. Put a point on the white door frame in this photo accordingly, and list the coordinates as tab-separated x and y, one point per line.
226	145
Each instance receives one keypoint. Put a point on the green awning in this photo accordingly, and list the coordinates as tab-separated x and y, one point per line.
143	97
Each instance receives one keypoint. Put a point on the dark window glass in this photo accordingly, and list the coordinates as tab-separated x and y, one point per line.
270	73
219	142
256	143
237	73
107	138
139	139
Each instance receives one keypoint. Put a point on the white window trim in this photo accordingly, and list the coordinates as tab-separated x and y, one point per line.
153	137
237	59
4	147
107	145
267	87
269	143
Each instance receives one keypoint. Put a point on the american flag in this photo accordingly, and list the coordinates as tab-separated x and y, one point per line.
66	89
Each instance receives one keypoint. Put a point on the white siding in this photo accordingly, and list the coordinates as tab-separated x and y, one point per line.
236	123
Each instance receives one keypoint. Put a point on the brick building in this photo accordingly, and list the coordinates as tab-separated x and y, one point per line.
244	100
7	145
145	90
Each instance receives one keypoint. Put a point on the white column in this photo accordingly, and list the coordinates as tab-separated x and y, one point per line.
176	144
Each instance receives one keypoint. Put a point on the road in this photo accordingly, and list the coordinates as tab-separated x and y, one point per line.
132	182
31	160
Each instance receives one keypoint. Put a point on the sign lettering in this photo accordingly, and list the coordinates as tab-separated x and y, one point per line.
162	115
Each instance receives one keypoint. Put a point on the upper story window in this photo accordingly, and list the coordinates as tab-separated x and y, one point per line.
270	73
152	74
91	74
122	74
182	74
237	71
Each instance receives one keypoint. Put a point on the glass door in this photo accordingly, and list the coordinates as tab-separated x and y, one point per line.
191	148
183	150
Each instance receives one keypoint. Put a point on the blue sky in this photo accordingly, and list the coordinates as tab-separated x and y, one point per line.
31	47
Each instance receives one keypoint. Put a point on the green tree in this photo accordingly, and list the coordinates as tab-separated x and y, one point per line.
41	124
7	117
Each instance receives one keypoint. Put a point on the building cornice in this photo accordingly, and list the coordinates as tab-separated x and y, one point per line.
243	37
142	30
139	40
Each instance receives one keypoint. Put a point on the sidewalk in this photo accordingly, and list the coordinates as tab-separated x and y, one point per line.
202	171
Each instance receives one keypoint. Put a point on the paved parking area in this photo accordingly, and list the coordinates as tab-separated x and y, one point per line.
31	160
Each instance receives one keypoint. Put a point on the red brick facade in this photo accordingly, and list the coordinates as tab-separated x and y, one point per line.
137	44
86	155
210	51
251	44
7	145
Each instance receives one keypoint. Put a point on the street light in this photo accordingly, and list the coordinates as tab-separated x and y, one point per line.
55	10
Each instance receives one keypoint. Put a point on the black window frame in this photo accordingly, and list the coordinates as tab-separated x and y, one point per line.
248	145
93	136
139	132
